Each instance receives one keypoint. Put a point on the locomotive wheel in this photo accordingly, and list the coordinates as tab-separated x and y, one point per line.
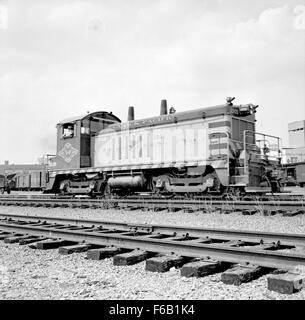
1	190
212	183
233	193
64	186
155	190
106	191
8	191
189	195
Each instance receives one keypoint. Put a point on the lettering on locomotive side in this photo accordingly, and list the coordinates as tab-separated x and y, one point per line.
143	122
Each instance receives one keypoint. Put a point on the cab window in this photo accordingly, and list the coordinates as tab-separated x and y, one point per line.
84	129
68	130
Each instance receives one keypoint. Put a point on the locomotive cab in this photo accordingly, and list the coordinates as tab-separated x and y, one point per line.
74	146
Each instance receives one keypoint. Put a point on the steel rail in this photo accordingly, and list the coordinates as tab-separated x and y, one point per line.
220	204
212	233
51	200
264	258
168	203
276	196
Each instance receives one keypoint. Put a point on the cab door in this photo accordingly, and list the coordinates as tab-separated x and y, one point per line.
85	141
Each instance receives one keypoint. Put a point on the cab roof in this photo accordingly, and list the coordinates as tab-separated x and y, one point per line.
89	116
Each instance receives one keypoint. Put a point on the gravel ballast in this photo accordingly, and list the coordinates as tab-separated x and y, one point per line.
36	274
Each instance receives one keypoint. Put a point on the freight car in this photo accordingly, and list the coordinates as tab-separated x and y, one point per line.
33	180
6	183
206	150
294	174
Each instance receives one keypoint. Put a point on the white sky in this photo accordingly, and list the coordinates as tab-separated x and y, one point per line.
62	58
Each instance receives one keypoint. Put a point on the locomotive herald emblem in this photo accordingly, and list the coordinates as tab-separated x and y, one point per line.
68	152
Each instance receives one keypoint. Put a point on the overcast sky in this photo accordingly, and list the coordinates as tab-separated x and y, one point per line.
63	58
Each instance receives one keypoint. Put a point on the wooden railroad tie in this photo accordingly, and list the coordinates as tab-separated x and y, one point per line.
241	274
102	253
163	263
289	282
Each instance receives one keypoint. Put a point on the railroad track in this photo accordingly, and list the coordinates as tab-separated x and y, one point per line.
240	255
268	207
147	195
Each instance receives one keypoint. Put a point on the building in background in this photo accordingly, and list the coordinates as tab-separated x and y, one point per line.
296	150
8	168
44	163
296	134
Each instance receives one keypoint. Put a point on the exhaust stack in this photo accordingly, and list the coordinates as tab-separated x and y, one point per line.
130	114
163	108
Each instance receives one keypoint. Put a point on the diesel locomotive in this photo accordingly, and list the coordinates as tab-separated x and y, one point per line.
206	150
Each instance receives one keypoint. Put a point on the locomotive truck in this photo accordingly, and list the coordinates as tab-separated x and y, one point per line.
205	150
